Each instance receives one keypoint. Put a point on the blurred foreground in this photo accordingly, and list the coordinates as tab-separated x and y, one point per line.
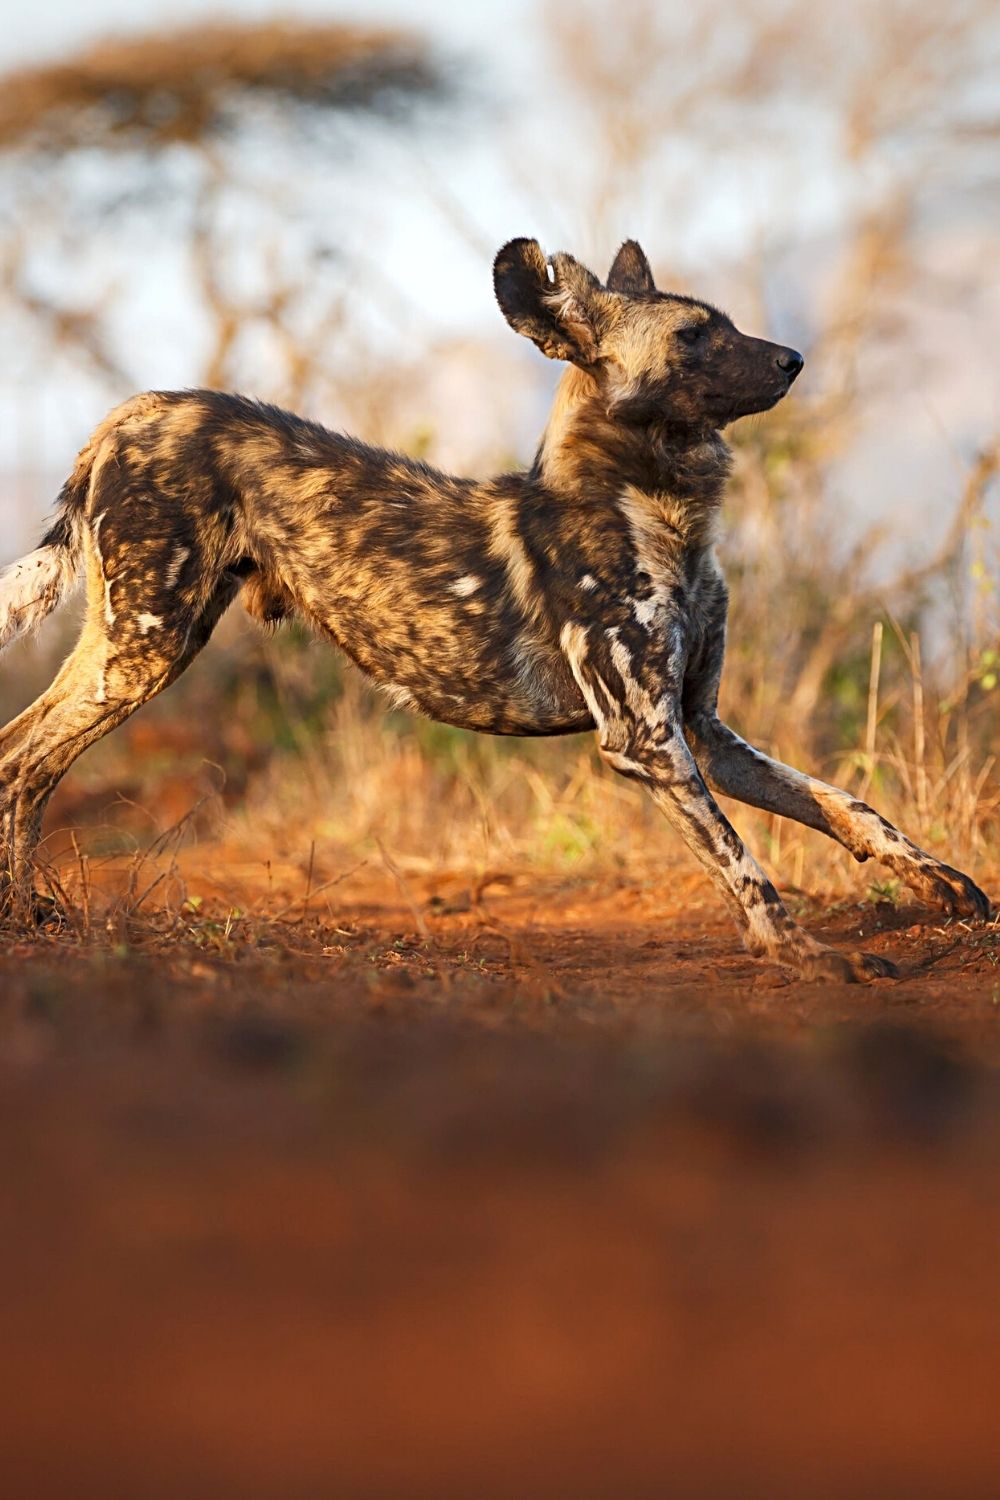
322	1181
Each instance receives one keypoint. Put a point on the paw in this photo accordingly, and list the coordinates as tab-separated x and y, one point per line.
847	968
47	912
872	966
24	906
940	885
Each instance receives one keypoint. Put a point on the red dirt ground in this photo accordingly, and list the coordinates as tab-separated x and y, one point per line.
515	1188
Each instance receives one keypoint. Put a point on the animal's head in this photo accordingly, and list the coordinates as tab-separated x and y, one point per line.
654	356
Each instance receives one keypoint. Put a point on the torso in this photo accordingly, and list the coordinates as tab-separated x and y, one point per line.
458	615
452	594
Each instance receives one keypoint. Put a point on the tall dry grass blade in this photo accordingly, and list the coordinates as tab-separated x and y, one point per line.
309	879
405	891
871	717
919	728
318	890
83	864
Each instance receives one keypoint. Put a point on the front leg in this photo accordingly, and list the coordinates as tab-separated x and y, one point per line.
635	707
736	769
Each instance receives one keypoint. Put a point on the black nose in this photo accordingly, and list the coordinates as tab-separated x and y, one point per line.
791	362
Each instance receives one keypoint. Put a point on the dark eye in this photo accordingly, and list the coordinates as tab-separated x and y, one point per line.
692	334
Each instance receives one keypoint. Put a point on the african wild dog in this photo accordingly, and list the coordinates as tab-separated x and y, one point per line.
582	594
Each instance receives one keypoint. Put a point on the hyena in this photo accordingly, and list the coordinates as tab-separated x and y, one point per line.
581	594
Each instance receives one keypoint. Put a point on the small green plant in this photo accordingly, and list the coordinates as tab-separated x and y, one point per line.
885	890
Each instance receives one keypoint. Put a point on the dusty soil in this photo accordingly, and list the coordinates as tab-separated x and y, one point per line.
510	1187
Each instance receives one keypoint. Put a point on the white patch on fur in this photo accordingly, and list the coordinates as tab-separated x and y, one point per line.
466	585
31	588
621	388
399	697
95	531
588	582
101	694
565	307
147	622
646	610
180	557
653	712
624	763
573	640
621	656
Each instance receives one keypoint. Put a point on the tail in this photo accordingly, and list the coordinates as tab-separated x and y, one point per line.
31	588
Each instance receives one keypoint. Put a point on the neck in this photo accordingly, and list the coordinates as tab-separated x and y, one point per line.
586	454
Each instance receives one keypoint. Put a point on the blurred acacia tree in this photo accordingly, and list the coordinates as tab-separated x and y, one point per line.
215	143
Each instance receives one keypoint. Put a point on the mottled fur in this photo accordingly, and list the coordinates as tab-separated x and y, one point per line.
583	593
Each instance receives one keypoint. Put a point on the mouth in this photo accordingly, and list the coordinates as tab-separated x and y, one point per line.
753	405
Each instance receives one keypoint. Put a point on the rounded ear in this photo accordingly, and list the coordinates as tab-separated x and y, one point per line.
630	272
551	303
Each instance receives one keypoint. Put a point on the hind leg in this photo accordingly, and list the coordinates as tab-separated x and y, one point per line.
126	654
